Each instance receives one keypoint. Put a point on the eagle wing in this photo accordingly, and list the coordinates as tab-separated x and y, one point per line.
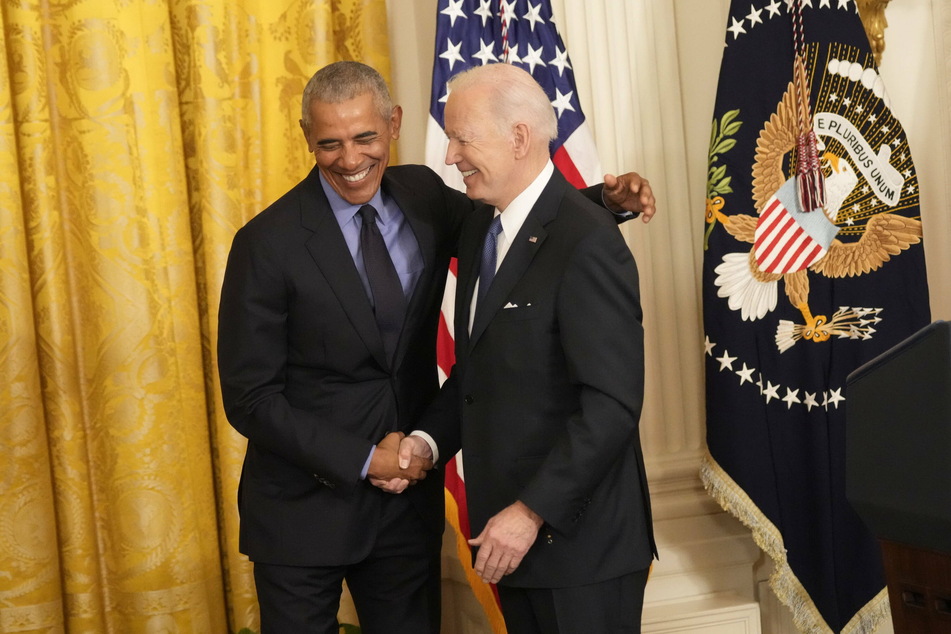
741	227
885	235
776	139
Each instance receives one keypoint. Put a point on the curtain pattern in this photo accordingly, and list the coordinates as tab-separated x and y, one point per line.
136	136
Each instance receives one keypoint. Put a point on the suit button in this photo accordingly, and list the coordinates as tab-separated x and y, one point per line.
468	399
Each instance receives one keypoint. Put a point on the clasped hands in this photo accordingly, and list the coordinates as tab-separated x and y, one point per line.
394	467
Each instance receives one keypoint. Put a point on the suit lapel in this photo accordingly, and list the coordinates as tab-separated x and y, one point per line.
330	253
526	244
470	249
418	216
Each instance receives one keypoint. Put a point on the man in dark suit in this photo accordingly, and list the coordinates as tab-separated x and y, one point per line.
546	393
320	360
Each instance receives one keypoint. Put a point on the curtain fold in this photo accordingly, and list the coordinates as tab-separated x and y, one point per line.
136	136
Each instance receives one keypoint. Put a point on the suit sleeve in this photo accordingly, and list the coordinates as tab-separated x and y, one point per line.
599	317
252	363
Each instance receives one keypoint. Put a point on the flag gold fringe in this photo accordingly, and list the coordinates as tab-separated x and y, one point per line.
482	591
783	581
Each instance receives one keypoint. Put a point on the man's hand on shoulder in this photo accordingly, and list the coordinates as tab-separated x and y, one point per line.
629	192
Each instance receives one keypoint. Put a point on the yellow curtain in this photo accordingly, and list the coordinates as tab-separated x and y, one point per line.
136	136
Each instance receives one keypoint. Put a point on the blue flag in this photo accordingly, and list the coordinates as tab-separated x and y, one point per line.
813	264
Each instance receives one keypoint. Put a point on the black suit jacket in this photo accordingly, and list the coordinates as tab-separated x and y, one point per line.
304	375
546	394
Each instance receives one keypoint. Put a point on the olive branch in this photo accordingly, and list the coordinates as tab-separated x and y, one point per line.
718	183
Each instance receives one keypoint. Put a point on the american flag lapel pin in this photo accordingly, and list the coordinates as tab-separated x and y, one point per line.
533	239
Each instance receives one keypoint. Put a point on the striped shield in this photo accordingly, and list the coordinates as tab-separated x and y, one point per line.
788	240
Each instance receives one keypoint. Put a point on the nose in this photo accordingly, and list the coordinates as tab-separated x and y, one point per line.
350	156
452	155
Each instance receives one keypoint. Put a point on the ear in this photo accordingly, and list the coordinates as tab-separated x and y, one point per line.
396	120
521	139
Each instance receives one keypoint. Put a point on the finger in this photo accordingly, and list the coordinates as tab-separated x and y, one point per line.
491	571
610	181
648	213
501	568
406	452
481	560
397	485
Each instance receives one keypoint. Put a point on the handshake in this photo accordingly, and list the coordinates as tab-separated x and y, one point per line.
399	461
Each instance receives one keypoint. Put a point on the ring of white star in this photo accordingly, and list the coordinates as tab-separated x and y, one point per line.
769	391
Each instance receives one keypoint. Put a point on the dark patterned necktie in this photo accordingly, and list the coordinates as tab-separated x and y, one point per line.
389	303
487	266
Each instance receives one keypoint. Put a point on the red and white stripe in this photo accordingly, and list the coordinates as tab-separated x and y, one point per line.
781	245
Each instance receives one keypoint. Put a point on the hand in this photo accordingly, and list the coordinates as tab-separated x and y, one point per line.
414	446
629	192
385	471
504	541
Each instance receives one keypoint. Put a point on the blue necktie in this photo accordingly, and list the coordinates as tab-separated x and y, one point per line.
487	266
389	303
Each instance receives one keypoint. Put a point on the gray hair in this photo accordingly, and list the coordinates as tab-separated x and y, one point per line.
516	96
342	81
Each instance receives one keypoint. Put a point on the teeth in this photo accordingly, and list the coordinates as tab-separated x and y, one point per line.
353	178
469	173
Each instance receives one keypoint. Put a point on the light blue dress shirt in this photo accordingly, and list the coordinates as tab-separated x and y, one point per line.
397	235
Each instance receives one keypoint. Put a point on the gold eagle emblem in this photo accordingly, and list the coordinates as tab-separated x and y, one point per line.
802	246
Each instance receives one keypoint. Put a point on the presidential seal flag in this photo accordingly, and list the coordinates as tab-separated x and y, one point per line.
813	264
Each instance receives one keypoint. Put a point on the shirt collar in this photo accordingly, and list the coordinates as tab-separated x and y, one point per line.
515	214
344	211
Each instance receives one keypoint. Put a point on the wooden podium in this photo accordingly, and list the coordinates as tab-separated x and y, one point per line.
898	472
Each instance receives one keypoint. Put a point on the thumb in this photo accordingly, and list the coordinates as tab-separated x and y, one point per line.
406	453
610	181
477	541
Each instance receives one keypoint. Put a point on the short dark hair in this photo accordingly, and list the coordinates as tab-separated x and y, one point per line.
342	81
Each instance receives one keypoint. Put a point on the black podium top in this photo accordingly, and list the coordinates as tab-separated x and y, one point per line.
898	440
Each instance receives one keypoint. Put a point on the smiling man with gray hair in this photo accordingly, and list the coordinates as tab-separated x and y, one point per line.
545	397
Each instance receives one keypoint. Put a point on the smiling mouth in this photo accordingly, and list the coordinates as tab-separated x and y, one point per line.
468	173
356	178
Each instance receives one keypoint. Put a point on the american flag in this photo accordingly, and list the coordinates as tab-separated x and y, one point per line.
478	32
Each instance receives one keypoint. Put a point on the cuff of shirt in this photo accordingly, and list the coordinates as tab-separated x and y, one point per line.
429	441
366	465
